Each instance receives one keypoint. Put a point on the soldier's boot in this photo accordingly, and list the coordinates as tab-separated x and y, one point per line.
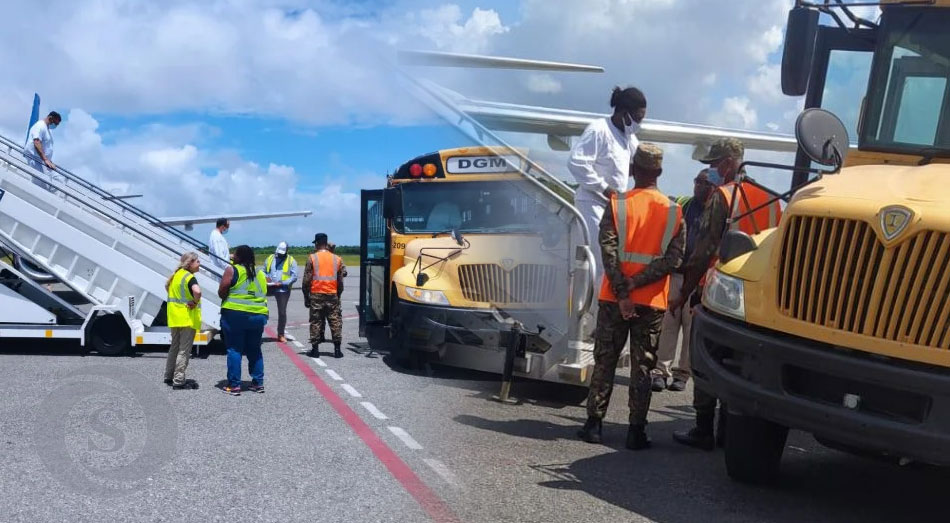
637	438
700	436
591	431
314	350
337	353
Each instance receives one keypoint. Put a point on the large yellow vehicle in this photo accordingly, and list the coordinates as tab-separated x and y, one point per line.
459	246
838	321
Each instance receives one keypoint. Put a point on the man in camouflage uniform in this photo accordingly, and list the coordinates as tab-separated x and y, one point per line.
322	297
618	320
723	159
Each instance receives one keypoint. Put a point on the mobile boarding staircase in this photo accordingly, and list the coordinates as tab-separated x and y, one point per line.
114	258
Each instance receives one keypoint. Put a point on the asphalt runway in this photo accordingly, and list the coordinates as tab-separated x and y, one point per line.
89	438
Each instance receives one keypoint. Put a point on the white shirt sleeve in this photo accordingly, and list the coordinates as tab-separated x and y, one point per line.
581	162
219	248
38	132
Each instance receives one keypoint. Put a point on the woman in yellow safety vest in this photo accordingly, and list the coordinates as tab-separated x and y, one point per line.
183	310
243	291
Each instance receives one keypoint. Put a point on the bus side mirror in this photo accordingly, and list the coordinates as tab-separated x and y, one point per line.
800	35
392	202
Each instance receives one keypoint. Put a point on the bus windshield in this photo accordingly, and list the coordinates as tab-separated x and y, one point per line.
473	207
909	94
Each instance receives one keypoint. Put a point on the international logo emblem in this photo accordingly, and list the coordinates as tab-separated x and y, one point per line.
507	263
894	220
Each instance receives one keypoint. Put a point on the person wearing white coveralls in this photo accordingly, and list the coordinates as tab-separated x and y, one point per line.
600	161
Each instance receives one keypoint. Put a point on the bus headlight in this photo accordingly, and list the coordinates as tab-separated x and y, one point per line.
427	296
724	294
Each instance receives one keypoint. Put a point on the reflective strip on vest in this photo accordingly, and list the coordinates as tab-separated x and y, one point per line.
325	283
639	257
643	208
284	271
241	298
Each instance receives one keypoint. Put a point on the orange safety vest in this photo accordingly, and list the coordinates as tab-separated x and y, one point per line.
646	222
760	220
326	265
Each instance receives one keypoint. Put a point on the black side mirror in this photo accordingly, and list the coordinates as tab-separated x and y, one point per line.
799	52
392	202
822	137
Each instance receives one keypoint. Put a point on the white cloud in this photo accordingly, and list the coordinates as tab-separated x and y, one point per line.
448	29
184	179
543	83
736	111
766	84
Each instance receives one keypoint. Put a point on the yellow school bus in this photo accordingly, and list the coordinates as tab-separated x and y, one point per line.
457	246
837	322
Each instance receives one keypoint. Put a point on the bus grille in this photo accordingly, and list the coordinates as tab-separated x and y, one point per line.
490	283
836	273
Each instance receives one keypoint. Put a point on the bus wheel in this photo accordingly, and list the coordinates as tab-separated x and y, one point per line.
754	448
110	335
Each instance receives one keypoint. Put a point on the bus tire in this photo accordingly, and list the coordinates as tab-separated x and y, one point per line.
754	448
110	335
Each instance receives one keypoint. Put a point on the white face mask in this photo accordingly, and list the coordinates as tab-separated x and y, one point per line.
630	126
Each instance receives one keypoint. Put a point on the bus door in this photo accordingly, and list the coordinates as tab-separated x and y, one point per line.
374	263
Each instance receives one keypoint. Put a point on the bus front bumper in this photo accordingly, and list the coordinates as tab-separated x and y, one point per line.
843	396
429	328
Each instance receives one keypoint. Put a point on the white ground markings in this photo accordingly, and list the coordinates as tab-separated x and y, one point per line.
351	391
405	438
437	466
447	475
378	414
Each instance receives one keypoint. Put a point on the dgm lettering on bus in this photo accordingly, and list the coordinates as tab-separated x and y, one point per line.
458	245
837	322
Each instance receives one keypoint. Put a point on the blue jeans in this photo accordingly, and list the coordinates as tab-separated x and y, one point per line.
242	334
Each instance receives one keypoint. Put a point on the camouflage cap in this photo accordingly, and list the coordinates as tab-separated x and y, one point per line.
648	156
723	147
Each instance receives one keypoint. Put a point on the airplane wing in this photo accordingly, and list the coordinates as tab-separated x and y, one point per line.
560	124
189	221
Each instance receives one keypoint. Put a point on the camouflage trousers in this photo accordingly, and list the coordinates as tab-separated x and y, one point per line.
610	338
325	307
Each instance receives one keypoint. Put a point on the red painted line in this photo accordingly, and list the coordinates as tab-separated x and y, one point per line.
430	502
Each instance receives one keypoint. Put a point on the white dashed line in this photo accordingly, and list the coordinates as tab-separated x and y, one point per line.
351	318
334	375
298	344
405	438
319	362
373	410
443	471
351	391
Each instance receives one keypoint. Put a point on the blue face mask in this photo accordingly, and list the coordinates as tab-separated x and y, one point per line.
53	125
714	177
225	231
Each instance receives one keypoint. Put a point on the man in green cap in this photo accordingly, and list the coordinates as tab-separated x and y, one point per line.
642	238
724	158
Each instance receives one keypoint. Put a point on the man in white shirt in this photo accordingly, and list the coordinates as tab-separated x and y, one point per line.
39	146
600	161
218	246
